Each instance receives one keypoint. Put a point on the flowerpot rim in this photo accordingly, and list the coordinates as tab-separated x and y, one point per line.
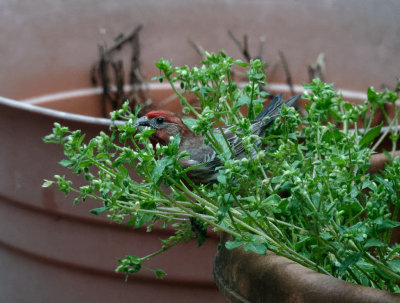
30	104
56	114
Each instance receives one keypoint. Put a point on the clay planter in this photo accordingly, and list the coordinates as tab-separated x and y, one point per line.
52	251
57	252
248	277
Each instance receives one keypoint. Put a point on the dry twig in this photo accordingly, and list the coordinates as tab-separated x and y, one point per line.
113	87
285	65
317	69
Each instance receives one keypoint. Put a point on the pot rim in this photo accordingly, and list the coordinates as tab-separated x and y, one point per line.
56	114
30	104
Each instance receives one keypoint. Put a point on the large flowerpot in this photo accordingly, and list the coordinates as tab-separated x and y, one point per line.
52	251
248	277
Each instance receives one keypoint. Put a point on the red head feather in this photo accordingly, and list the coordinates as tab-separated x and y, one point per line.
162	134
168	116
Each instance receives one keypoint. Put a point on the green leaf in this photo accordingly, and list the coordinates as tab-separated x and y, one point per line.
130	265
131	221
394	265
326	235
98	211
159	78
257	245
234	244
164	65
371	134
175	143
373	242
396	250
200	229
189	122
65	162
303	242
272	200
350	260
243	100
369	184
47	183
226	152
384	224
374	97
221	179
160	273
142	219
333	135
63	184
249	199
241	63
159	168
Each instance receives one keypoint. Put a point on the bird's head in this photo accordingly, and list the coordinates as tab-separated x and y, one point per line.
165	123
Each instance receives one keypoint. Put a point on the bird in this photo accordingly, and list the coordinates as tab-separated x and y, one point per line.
203	160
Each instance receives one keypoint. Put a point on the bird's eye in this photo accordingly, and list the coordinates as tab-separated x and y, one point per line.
160	120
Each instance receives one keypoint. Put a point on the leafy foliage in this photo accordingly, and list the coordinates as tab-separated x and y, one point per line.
306	195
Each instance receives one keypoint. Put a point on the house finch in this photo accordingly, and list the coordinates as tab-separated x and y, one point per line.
203	156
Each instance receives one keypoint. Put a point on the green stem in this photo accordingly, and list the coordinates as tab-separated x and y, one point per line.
384	268
395	131
210	136
371	116
181	97
262	228
251	107
226	140
162	250
103	167
284	250
388	130
231	97
234	223
394	217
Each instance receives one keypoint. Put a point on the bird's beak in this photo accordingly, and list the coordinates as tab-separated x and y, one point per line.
142	122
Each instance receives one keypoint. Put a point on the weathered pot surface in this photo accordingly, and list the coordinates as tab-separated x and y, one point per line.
249	277
245	277
58	252
50	224
65	254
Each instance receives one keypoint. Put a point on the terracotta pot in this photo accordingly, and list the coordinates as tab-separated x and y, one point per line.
52	251
58	252
248	277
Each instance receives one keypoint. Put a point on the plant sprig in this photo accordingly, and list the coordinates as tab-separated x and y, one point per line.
306	194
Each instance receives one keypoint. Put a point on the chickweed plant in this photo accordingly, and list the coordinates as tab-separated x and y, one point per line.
306	195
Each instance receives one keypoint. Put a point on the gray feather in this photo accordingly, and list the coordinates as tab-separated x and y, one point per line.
205	155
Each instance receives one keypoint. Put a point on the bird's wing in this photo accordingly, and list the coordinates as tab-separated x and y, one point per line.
203	154
272	110
204	162
235	141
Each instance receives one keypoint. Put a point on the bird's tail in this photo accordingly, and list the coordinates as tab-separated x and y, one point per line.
273	108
